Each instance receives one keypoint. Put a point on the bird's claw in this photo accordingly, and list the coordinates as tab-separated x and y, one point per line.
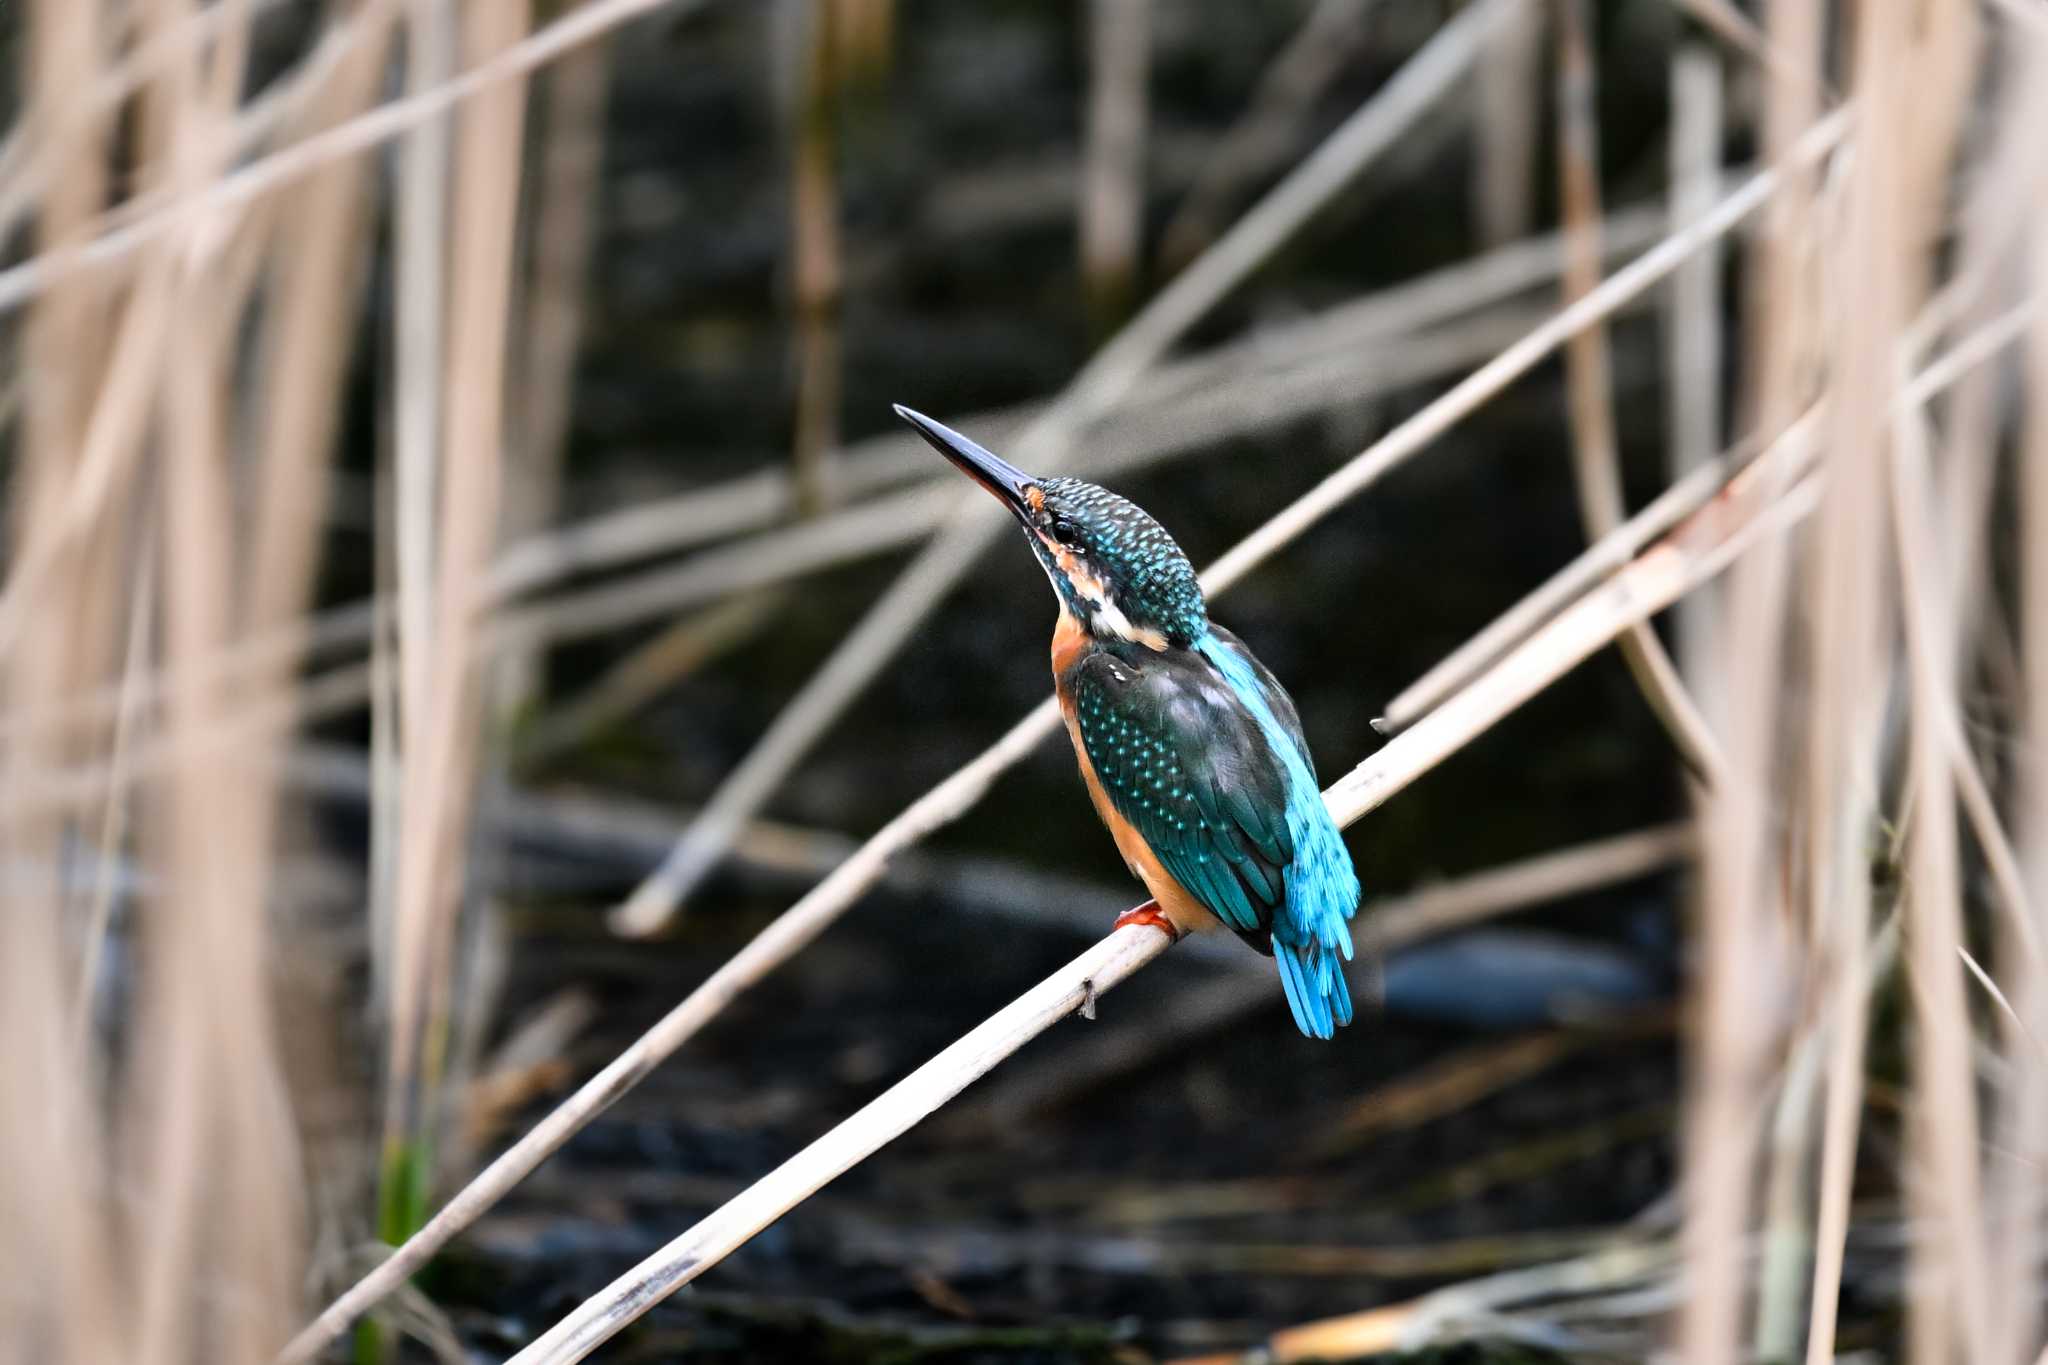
1149	913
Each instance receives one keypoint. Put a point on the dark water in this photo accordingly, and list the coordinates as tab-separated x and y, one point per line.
1200	1201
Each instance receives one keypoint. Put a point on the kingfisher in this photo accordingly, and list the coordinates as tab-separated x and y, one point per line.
1191	750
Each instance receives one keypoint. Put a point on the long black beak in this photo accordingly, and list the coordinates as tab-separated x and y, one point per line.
984	466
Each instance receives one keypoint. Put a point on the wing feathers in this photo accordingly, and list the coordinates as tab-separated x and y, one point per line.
1182	760
1201	751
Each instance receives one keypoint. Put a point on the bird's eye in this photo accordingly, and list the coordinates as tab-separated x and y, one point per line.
1064	531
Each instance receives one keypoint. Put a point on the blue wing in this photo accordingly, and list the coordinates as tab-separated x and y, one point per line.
1313	928
1203	753
1185	762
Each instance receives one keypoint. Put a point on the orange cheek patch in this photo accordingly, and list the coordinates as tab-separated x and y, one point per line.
1034	498
1085	583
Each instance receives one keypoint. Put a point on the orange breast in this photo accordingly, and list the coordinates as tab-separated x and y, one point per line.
1069	639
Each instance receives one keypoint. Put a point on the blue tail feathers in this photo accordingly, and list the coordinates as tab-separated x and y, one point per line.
1315	988
1312	930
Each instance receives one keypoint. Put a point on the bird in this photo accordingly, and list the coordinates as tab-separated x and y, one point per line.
1191	750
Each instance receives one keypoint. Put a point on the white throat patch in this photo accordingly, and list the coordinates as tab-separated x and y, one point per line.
1105	617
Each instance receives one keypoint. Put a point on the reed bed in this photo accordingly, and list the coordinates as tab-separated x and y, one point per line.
257	1056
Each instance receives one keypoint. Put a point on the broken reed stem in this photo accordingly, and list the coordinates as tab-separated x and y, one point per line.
1649	584
1374	129
830	898
1934	896
1589	383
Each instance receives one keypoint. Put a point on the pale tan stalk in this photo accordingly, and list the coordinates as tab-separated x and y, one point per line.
1740	906
422	250
1112	195
1589	383
2017	195
283	168
794	929
1697	551
1692	320
1110	375
56	1240
435	786
1410	331
1508	93
574	99
210	1104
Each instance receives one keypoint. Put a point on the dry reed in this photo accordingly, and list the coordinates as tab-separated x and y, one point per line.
190	323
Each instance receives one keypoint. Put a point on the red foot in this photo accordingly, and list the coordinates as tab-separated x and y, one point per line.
1149	913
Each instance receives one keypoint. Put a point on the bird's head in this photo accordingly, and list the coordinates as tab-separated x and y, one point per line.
1115	569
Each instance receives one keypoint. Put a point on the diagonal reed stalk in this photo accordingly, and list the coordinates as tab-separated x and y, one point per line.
282	169
1374	129
1693	553
1236	387
1241	387
952	798
1589	384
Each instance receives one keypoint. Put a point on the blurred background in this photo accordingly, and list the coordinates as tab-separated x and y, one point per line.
468	599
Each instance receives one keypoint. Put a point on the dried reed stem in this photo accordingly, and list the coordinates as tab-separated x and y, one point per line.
435	781
1648	585
57	1242
1509	98
220	1172
280	169
830	898
816	252
795	928
1113	372
1596	453
572	118
2018	1188
1411	329
1112	198
1387	925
